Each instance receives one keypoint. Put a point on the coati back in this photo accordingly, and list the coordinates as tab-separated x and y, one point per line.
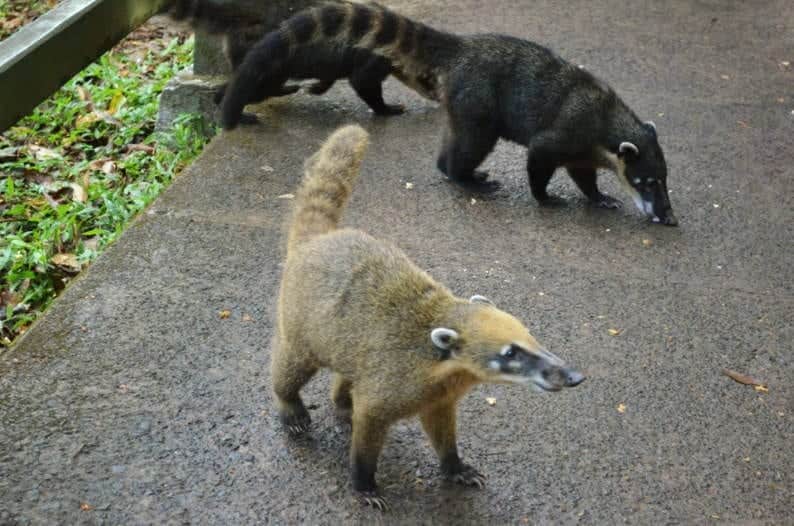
399	343
243	23
491	86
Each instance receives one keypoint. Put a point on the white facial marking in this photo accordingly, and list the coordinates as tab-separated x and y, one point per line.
505	350
493	364
480	299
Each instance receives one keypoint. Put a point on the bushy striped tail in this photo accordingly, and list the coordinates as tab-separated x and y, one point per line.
325	190
417	52
218	16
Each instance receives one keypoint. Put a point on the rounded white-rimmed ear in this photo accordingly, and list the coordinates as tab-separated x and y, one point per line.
626	147
444	338
480	299
652	125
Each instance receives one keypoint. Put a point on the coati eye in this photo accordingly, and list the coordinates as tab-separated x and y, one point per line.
509	352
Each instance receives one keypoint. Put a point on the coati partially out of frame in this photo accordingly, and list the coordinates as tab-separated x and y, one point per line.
399	343
491	86
244	22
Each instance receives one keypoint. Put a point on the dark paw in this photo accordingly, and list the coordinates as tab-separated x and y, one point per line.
605	201
296	424
468	476
319	87
287	89
477	184
371	498
551	201
390	109
248	118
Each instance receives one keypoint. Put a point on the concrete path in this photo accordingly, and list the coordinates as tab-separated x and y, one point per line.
134	397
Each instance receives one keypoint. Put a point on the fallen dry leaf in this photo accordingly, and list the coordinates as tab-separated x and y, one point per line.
66	262
86	506
139	148
744	379
287	196
491	400
473	201
267	168
247	317
741	378
224	314
647	242
614	332
43	154
621	408
409	186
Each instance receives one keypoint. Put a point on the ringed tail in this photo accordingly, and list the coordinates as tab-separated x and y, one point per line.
329	177
213	16
418	52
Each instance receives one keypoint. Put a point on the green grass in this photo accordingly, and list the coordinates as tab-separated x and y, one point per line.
75	171
15	13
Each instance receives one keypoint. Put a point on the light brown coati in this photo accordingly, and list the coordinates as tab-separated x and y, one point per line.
244	22
491	86
399	343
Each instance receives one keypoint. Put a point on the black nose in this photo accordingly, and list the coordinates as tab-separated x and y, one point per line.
574	378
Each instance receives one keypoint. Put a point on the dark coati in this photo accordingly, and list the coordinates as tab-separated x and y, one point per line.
399	343
491	86
244	22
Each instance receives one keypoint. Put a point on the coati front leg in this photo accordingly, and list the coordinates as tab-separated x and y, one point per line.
289	373
466	145
543	160
439	424
369	434
586	178
343	401
250	118
236	46
367	81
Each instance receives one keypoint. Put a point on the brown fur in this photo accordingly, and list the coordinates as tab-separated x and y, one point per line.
360	307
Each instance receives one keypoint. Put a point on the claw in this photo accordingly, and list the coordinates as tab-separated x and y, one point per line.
477	184
390	109
469	477
373	500
605	201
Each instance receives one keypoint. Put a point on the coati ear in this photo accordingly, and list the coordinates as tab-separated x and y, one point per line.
481	299
443	338
626	148
651	125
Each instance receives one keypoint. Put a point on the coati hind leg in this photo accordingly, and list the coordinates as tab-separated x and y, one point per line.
340	394
466	145
367	81
543	160
586	179
250	118
369	435
439	424
289	372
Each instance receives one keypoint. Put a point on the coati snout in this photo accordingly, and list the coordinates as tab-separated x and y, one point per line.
642	168
497	348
